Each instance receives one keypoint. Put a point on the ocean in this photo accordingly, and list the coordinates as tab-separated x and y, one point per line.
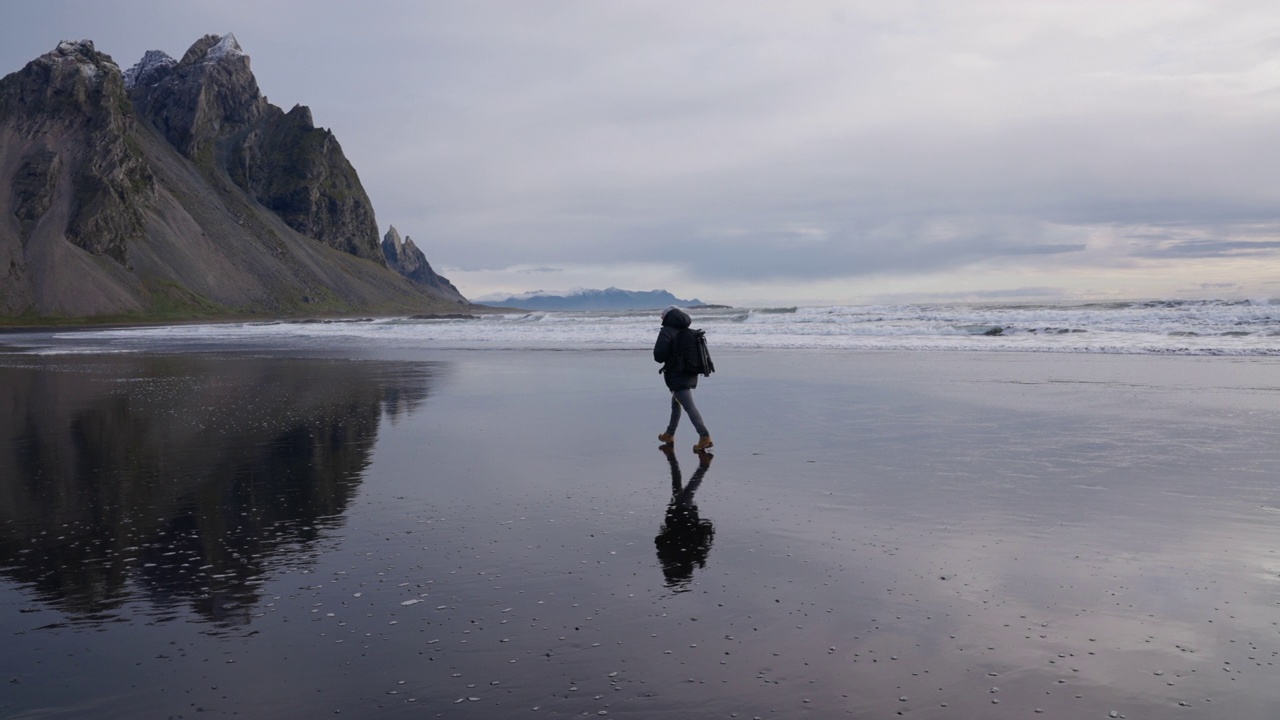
1160	327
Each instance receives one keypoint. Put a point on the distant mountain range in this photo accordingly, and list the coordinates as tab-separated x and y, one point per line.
608	299
176	191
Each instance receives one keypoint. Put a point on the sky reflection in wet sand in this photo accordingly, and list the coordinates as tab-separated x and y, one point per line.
481	535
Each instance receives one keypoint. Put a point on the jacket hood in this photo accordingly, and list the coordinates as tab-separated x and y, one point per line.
676	318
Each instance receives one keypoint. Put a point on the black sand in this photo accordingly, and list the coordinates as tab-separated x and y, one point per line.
490	534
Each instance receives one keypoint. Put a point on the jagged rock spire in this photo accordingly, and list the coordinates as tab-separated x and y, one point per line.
404	257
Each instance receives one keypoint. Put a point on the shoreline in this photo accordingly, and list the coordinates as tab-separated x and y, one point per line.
112	324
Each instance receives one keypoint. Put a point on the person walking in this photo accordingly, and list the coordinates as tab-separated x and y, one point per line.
679	381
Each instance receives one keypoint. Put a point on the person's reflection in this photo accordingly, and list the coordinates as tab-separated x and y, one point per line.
685	538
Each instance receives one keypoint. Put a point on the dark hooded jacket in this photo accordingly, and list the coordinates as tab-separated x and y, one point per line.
664	350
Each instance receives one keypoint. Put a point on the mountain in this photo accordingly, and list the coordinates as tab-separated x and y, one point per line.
405	258
608	299
175	190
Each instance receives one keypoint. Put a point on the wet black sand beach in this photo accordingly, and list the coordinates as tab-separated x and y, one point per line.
278	533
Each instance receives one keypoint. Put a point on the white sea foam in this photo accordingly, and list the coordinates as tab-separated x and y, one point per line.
1164	327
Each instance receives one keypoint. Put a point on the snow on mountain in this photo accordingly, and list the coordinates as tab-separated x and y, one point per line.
152	65
226	47
72	47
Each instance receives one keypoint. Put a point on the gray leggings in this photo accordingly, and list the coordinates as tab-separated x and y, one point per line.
684	398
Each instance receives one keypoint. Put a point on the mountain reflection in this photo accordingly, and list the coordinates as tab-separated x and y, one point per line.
179	479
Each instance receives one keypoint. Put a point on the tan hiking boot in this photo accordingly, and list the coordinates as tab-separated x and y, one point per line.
667	438
704	442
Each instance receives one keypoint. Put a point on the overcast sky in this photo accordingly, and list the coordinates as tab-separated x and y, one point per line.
777	152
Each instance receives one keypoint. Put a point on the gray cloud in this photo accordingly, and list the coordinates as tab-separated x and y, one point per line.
1213	248
1022	292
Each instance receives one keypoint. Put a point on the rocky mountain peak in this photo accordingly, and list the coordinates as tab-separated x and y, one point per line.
70	117
151	69
74	48
208	95
391	243
209	107
73	79
301	116
215	48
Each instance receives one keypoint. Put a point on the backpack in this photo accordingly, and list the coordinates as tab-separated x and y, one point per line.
691	353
